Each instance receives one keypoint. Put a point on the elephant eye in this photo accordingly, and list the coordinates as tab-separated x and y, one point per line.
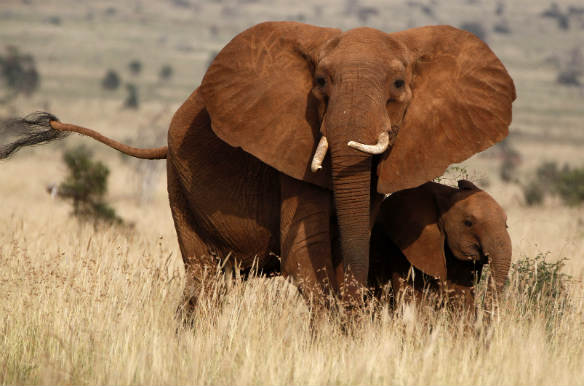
320	81
467	223
399	83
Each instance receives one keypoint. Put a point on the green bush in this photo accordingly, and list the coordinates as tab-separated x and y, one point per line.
165	72
85	186
571	67
567	183
111	80
135	67
541	285
132	101
502	27
539	278
534	193
570	186
569	78
510	163
18	74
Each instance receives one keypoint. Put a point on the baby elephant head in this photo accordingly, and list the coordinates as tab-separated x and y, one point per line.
434	225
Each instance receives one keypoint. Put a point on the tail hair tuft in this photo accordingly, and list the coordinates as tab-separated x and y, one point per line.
34	129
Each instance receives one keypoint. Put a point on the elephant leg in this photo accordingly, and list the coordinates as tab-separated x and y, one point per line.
305	238
199	263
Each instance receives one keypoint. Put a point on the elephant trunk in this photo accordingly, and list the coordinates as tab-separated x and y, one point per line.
499	252
355	122
351	186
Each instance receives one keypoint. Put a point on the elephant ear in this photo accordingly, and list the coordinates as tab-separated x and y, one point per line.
461	105
257	92
411	219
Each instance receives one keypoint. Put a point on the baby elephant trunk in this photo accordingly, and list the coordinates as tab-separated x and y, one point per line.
499	252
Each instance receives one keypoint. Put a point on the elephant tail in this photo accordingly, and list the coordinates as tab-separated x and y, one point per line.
43	127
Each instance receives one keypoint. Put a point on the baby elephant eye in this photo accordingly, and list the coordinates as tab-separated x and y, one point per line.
320	81
398	83
467	223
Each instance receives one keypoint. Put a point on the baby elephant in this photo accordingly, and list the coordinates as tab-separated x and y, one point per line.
437	238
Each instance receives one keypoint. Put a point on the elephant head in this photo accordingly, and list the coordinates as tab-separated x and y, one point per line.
326	106
434	221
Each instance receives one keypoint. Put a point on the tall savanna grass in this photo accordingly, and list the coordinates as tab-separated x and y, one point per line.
81	306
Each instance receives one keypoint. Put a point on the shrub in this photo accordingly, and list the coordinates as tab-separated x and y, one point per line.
575	11
135	67
547	174
427	10
546	177
55	20
19	73
552	12
131	101
564	22
475	28
165	72
181	3
570	186
533	193
511	160
502	27
567	183
85	186
541	285
364	13
111	80
568	78
571	67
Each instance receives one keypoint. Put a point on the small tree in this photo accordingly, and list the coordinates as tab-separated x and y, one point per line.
552	12
165	72
19	73
571	68
510	161
135	67
566	182
502	27
85	186
132	98
111	80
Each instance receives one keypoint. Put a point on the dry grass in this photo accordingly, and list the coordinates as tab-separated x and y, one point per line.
98	307
79	305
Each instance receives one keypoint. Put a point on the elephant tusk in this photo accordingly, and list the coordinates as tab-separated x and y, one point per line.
378	148
319	154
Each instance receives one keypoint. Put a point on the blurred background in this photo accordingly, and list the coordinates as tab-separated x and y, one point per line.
123	68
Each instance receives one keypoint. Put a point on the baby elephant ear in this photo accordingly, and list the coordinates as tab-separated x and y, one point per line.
410	219
257	92
461	105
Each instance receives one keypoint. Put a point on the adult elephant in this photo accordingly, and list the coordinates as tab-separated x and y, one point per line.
294	131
